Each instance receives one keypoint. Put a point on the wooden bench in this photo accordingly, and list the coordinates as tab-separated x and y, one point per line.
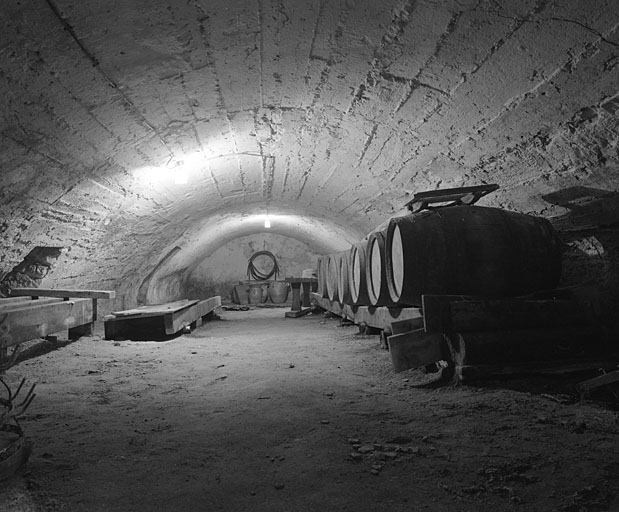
158	322
26	316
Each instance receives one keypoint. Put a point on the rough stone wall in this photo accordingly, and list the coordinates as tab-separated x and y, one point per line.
217	274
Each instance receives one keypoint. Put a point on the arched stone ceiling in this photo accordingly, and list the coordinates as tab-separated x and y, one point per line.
329	112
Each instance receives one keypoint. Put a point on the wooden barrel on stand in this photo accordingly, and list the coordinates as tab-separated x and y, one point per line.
321	274
357	276
470	250
343	287
332	275
375	270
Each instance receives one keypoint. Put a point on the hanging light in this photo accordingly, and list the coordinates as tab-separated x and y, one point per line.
267	222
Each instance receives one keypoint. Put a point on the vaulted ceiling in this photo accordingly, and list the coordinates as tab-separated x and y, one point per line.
129	128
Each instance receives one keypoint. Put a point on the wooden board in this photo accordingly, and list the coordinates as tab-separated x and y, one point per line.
448	313
25	304
556	367
78	294
43	319
377	317
527	345
403	326
596	382
156	309
416	348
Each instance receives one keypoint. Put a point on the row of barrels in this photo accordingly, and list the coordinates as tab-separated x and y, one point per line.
457	250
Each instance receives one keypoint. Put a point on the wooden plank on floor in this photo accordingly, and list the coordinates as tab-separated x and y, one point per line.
39	321
78	294
415	348
453	314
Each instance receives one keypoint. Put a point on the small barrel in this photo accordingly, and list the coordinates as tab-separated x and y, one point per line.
343	287
357	276
375	270
278	292
470	250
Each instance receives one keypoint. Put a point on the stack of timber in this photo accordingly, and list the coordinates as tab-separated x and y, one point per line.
26	316
158	322
480	337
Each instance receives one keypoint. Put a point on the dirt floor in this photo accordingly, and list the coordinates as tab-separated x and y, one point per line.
255	412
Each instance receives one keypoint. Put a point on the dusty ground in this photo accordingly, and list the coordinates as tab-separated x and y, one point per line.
260	413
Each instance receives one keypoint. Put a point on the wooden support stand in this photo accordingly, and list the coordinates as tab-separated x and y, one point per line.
301	287
381	318
158	322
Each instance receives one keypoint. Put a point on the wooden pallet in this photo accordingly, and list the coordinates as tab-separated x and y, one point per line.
158	322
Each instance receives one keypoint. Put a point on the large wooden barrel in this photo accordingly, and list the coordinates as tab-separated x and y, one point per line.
332	275
375	270
343	287
356	276
321	275
470	250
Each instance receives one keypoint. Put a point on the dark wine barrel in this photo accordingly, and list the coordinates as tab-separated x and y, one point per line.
375	270
332	275
356	276
343	287
470	250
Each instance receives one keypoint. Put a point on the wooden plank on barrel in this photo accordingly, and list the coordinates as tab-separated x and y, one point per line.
39	321
415	348
453	314
79	294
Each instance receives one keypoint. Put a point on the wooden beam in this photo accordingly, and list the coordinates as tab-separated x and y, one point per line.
28	303
377	317
453	314
79	294
403	326
596	382
177	320
416	348
529	345
156	309
39	321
